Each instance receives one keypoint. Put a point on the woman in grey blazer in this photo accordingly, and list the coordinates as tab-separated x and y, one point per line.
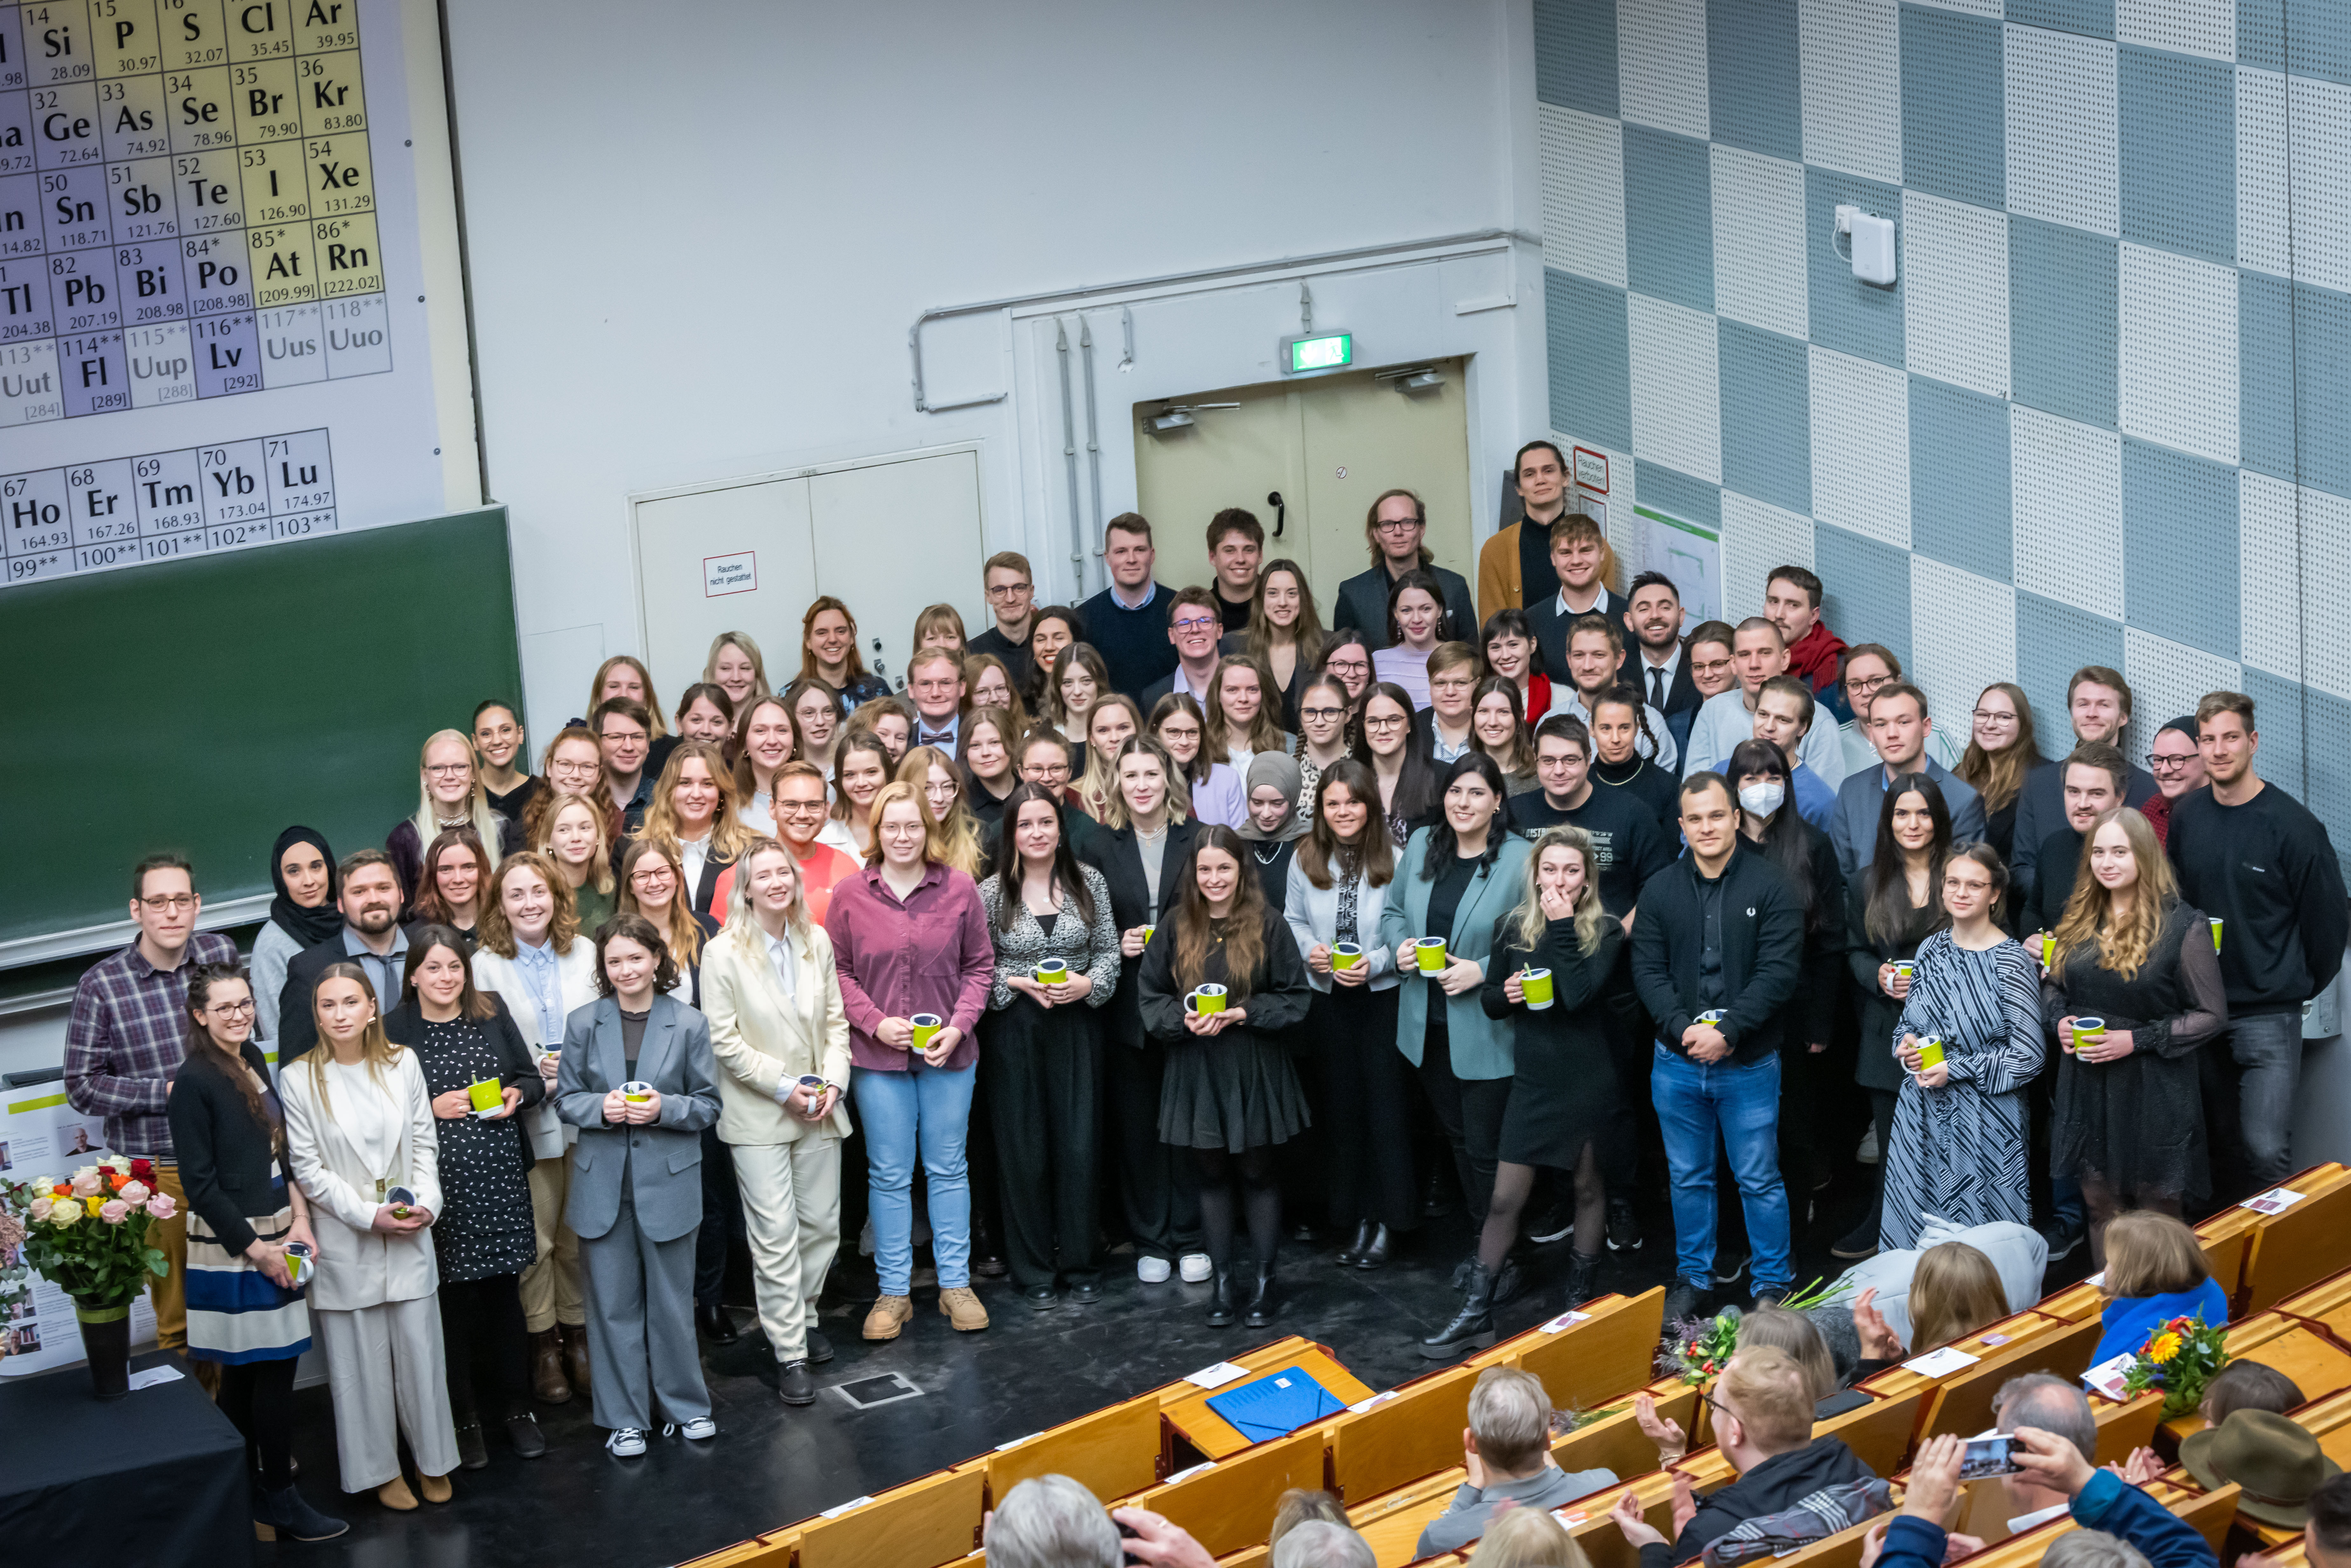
636	1182
1454	880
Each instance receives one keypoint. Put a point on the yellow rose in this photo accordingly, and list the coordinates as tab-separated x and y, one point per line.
2162	1348
65	1211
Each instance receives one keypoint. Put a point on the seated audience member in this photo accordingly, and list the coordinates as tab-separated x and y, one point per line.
1011	590
891	718
1319	1543
704	713
1503	735
1619	766
1728	718
1212	790
1955	1291
1581	563
1416	623
1195	628
693	818
2178	770
829	653
1506	1447
1051	1521
817	722
2249	1385
1898	728
2001	751
2051	1404
2056	1467
449	795
636	1191
623	735
938	626
1713	665
1444	725
2327	1537
1299	1506
1595	665
1657	666
1891	1280
935	681
1863	670
2277	1463
1764	1425
1508	647
940	782
574	764
990	772
862	763
2098	703
2095	778
1236	546
1527	1538
1057	626
498	742
1777	1328
1784	710
1395	528
455	879
1792	600
736	667
370	937
301	915
2155	1272
1285	637
762	741
572	835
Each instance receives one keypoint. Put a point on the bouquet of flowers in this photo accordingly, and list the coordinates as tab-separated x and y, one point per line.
86	1234
1697	1349
2180	1357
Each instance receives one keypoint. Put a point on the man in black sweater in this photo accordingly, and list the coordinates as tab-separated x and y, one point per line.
2252	857
1127	622
2098	704
1013	601
2096	775
1627	849
1717	946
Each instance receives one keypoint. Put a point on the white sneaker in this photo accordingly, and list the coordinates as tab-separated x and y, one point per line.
700	1429
1151	1271
1868	1154
1196	1267
625	1443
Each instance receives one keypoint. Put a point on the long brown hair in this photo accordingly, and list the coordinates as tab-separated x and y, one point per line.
203	1046
497	933
1955	1291
656	725
1243	937
471	1003
1306	632
684	936
1066	877
1372	855
2089	910
1265	731
428	904
853	666
1998	776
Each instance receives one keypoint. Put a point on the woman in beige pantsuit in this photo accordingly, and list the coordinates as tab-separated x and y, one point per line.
773	998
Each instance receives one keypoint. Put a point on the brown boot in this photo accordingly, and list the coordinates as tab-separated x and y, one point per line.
547	1368
963	1309
575	1354
888	1316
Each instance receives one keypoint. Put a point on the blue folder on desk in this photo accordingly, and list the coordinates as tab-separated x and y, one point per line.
1275	1405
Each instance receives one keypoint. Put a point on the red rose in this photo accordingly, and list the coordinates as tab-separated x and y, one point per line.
142	1169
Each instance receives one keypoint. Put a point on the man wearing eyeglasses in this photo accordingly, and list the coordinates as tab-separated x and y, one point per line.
624	734
1395	529
1012	600
124	1041
1196	627
2178	770
795	804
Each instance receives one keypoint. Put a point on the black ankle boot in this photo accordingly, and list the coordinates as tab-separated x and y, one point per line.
1582	1277
1221	1300
1352	1252
1262	1304
1507	1282
1472	1327
1375	1252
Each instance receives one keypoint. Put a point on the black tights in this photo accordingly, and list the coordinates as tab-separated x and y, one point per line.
2103	1203
257	1397
1513	1183
1262	1188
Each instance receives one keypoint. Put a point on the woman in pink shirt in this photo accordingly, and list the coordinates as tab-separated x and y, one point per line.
909	939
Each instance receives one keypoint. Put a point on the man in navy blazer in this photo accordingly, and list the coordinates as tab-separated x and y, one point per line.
1899	727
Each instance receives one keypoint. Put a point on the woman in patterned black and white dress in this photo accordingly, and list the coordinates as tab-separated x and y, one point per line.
1958	1148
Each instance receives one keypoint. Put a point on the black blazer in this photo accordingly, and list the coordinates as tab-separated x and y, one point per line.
404	1025
1363	606
225	1154
1681	692
1112	852
1762	952
297	1029
1551	628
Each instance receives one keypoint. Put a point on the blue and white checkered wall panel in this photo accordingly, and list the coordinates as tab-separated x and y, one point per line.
2103	416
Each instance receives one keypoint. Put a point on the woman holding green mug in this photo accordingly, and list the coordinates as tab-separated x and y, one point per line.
2127	1117
1970	1040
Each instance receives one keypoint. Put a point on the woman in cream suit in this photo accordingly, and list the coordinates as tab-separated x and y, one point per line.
359	1123
773	998
636	1182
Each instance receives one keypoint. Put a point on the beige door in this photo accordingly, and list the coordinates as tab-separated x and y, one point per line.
1329	446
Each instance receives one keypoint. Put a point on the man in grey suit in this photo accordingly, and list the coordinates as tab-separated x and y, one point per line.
1395	529
636	1182
1898	728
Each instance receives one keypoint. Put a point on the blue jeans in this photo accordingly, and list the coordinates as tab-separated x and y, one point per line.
929	1108
1697	1102
2267	1050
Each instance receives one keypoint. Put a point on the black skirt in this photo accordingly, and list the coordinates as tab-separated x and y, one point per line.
1235	1091
2137	1125
1564	1089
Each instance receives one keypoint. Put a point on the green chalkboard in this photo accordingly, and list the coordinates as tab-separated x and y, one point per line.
202	705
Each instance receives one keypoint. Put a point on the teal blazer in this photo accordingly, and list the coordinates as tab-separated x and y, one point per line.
1480	1047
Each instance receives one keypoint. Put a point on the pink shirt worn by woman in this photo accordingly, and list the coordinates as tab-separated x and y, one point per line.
930	954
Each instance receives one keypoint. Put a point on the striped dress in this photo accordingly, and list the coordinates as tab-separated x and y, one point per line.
235	1313
1959	1152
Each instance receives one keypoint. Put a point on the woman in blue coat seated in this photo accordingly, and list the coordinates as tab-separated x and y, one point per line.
2155	1272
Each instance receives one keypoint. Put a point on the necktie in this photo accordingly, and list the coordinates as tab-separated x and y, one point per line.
1656	688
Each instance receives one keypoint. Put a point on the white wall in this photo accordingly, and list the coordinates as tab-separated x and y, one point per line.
698	235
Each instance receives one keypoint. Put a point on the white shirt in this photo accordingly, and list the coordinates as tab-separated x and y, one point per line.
1184	683
1860	756
1672	666
783	961
1726	720
367	1114
1118	597
1599	601
2038	1516
696	853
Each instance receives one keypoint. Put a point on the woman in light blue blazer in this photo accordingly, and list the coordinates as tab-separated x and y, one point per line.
1454	881
636	1182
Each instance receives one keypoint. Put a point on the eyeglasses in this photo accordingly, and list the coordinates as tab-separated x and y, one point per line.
2159	763
799	807
1322	714
1009	590
1389	723
1347	666
1709	666
651	875
1194	623
1398	525
1862	686
1992	719
574	769
448	770
231	1009
170	900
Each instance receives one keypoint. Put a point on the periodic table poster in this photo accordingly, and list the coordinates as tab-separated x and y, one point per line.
230	309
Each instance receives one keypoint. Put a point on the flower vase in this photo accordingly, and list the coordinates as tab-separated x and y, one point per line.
106	1341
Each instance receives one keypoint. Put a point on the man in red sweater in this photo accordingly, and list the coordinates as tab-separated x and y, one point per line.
1792	601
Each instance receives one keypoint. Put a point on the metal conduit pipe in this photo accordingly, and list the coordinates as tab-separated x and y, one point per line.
1093	438
1069	457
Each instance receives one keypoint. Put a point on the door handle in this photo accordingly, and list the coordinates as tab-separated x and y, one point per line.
1281	510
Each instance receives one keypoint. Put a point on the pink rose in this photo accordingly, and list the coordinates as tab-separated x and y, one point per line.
86	1183
161	1207
135	1192
40	1209
114	1211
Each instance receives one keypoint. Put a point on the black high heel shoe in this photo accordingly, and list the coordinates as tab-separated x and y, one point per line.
1350	1255
1374	1253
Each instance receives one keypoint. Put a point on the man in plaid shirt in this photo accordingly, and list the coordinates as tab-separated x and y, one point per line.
125	1040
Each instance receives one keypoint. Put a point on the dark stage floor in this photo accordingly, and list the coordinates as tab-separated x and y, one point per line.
771	1465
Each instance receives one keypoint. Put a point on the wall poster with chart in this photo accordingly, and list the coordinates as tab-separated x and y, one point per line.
230	304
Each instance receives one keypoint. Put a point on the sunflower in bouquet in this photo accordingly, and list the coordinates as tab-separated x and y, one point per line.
2179	1358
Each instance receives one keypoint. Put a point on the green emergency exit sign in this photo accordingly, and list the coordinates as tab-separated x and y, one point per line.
1318	353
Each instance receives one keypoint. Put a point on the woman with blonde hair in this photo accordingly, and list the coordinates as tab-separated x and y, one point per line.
935	776
360	1138
1243	715
1955	1291
449	794
652	889
1528	1538
1114	721
764	739
624	676
1562	1091
2156	1271
736	667
571	836
829	653
2128	1116
938	626
1284	637
693	818
2001	753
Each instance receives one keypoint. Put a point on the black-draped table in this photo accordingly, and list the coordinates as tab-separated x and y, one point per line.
155	1478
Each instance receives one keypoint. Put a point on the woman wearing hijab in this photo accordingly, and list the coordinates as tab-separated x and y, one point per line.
303	914
1274	823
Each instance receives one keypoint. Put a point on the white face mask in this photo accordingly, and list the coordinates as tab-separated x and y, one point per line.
1763	798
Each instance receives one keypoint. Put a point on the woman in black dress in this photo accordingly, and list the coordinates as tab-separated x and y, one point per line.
484	1236
1892	907
2127	1118
1274	823
1229	1095
1564	1087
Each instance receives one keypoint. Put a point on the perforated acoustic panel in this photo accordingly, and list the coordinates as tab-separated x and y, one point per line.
1963	628
1861	447
1951	110
1756	538
1960	479
2067	503
2062	163
1853	87
1661	64
2173	587
2168	679
1759	240
2263	210
1583	194
1766	416
2179	351
2280	581
2207	28
1867	589
1954	305
1677	393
